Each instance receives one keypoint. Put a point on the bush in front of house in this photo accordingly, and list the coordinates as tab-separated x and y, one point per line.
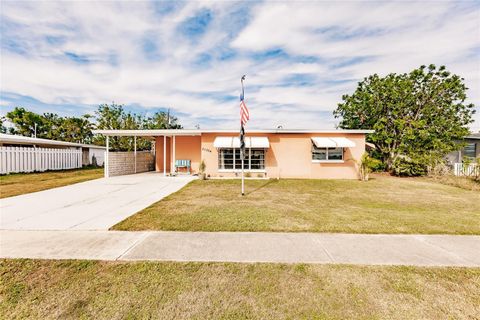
367	164
409	167
201	170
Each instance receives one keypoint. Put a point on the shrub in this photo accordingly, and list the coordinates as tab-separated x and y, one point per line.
202	167
408	167
367	164
379	165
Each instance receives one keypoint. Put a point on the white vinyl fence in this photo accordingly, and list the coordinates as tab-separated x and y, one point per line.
20	159
460	169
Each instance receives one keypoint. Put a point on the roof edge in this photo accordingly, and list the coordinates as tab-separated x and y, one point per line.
200	131
16	139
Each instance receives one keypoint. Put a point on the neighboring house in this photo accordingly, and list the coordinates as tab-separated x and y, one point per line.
278	153
26	154
471	149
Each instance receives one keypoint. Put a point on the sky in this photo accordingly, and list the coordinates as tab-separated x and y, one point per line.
299	58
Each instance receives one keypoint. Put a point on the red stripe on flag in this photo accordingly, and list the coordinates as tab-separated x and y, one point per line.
244	114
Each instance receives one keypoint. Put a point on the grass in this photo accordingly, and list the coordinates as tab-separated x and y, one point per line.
382	205
42	289
21	183
466	183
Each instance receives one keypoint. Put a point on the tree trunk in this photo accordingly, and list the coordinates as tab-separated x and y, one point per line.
390	161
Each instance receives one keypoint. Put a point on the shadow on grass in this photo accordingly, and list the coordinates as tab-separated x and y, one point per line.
266	184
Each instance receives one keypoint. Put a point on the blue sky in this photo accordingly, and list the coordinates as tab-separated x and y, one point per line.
299	58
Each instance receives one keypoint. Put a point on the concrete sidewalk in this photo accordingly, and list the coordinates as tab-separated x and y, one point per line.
418	250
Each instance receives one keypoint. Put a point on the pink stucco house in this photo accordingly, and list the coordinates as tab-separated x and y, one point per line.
277	153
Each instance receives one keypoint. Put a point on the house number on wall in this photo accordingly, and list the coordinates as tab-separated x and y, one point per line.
206	150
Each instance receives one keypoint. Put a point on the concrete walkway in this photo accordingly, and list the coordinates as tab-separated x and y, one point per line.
418	250
91	205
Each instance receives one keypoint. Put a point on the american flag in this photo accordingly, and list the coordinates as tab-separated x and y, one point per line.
244	114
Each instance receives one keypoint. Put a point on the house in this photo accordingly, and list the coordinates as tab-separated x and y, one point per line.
277	153
28	154
470	150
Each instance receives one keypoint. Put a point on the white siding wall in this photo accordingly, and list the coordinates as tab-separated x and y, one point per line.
22	159
99	155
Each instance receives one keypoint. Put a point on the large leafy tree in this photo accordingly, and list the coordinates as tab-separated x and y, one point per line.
114	116
50	126
161	120
3	128
417	116
79	129
25	122
71	129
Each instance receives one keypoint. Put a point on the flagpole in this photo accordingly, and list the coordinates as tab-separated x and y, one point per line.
242	150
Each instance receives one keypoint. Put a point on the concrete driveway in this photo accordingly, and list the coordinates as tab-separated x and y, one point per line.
92	205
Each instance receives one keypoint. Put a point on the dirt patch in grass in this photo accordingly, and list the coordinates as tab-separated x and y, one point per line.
382	205
37	289
21	183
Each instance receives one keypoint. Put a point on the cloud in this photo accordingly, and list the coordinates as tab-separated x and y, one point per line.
300	57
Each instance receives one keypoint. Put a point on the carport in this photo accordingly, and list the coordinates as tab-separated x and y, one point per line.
164	152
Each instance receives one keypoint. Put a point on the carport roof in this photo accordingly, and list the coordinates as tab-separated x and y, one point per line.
21	140
196	132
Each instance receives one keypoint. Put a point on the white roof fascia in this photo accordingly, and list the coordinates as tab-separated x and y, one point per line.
196	132
14	139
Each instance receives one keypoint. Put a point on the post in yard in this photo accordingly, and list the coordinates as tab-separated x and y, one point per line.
105	161
135	151
242	156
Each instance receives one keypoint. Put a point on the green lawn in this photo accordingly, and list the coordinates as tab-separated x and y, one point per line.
382	205
41	289
21	183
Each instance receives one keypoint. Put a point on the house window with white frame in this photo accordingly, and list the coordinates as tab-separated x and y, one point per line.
470	150
229	159
326	154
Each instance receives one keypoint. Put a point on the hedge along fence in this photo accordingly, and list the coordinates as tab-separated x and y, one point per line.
28	159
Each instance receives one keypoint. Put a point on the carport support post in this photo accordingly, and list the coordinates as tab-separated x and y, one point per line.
106	168
173	157
135	151
164	155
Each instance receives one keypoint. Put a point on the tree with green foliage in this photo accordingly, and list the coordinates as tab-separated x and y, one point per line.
79	129
114	117
3	128
161	120
25	123
71	129
417	116
50	126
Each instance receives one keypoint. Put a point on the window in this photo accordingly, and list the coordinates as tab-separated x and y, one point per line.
470	150
225	159
229	159
326	154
